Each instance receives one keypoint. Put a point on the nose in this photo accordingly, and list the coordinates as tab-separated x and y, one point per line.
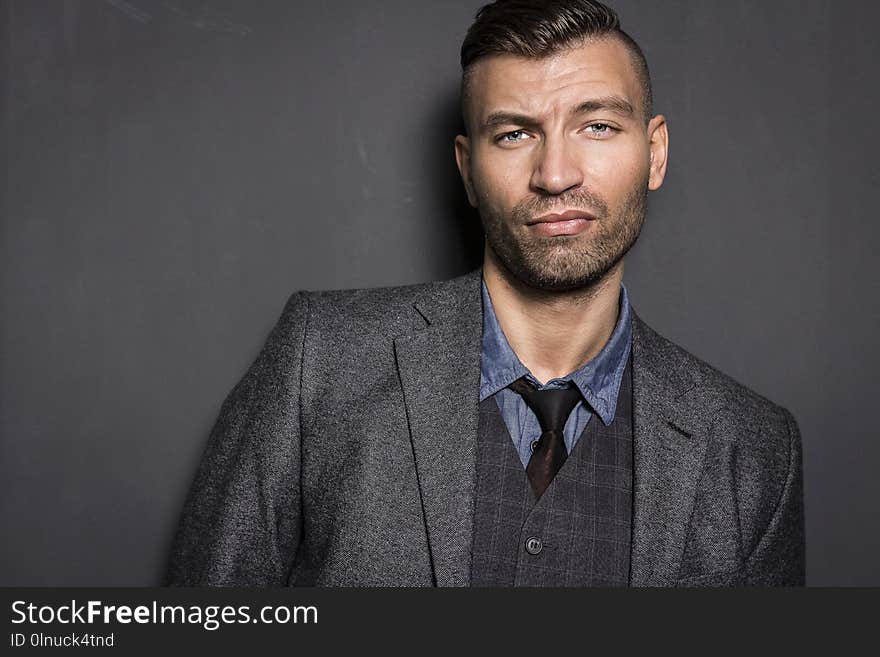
556	169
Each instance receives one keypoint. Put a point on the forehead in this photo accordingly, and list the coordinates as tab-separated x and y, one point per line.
598	68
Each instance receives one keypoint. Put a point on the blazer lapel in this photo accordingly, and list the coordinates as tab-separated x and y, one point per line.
439	367
671	425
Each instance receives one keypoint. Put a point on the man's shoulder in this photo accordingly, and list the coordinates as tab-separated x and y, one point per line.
736	402
365	302
365	310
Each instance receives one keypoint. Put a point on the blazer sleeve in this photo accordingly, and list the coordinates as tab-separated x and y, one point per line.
241	522
779	558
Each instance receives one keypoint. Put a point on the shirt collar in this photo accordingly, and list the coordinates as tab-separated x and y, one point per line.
598	380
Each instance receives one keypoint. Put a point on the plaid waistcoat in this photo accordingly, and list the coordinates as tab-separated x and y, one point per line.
578	533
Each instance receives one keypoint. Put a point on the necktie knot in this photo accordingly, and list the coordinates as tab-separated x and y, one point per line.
551	406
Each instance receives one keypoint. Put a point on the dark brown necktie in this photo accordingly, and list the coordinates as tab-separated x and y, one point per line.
552	408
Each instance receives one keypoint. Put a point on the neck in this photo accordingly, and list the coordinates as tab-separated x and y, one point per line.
553	333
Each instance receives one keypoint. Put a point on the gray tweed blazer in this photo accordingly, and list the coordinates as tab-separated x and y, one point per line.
346	456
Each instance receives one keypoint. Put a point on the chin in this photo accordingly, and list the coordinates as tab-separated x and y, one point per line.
556	281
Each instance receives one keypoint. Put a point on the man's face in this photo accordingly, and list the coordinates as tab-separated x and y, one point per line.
564	134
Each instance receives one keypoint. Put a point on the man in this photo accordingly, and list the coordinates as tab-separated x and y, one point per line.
519	425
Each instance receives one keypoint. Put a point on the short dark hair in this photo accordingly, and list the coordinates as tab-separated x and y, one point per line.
540	28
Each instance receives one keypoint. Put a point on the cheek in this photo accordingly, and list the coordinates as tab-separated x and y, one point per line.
496	184
619	173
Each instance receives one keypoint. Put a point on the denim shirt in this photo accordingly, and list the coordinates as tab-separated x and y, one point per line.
598	380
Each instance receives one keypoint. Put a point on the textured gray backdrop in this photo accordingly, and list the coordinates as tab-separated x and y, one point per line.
174	170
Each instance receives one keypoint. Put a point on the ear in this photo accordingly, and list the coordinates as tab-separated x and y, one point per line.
463	159
658	144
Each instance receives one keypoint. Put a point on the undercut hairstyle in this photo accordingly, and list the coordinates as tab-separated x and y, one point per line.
540	28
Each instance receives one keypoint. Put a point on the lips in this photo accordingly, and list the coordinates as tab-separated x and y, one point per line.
568	215
570	222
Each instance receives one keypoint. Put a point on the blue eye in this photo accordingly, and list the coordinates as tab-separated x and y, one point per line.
505	136
605	129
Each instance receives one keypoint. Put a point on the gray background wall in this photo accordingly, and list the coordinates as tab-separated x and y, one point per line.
174	170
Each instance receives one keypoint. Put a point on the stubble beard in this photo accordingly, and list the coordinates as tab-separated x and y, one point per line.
566	262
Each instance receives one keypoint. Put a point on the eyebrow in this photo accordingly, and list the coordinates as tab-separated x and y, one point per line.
617	104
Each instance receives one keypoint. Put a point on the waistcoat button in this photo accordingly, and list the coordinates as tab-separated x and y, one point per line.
534	545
